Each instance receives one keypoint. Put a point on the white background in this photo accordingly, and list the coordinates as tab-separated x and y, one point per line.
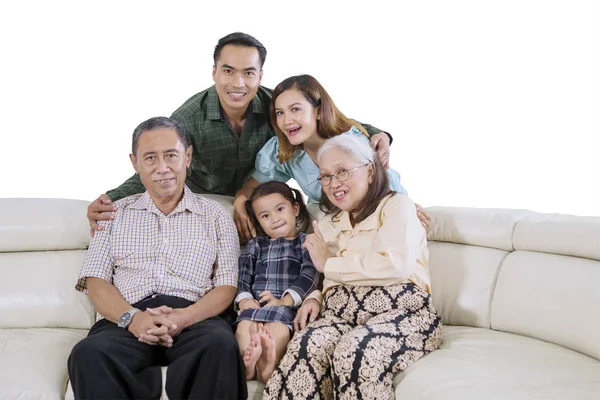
491	104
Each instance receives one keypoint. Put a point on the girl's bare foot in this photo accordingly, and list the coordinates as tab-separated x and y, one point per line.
255	327
267	361
251	356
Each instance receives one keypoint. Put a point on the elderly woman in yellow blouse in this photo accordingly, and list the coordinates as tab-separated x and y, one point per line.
376	314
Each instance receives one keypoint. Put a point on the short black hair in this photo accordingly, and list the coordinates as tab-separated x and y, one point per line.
157	123
240	39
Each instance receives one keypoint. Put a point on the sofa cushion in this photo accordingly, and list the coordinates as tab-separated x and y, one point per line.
550	297
37	290
475	364
33	362
486	227
43	224
559	234
255	389
462	282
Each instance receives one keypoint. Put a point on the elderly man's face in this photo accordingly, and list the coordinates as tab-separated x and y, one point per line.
161	160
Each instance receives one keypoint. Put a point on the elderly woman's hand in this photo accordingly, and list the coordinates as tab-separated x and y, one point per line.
317	248
307	313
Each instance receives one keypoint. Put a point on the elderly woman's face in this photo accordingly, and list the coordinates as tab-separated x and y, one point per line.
345	181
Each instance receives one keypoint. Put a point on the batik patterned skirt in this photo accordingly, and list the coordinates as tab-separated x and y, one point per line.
362	338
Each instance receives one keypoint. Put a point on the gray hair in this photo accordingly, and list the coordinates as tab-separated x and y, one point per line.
355	146
157	123
379	186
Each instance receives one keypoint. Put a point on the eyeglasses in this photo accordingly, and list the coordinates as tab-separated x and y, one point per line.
342	175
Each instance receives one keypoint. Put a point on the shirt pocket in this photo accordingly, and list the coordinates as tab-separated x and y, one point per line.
139	260
196	262
134	248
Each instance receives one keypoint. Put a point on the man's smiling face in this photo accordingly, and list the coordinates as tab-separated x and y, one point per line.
237	76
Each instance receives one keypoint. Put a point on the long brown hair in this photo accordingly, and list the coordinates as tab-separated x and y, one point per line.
331	123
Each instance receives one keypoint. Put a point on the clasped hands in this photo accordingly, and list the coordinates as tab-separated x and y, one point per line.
159	326
266	299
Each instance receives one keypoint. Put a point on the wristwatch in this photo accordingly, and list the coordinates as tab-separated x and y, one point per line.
126	318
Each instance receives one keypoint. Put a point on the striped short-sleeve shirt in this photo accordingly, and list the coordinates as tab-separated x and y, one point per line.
144	252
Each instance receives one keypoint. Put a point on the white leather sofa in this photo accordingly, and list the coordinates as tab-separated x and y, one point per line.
519	294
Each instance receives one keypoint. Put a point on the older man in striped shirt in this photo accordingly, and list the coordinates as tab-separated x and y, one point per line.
160	272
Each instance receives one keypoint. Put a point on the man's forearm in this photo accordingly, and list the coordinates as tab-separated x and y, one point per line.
107	299
248	188
213	303
373	130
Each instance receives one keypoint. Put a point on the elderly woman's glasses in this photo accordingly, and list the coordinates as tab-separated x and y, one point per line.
342	175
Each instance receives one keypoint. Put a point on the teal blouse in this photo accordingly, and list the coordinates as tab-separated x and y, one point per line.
302	169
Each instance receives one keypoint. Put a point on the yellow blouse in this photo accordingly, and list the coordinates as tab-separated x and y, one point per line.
387	248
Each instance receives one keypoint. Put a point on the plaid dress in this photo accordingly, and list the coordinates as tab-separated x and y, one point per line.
280	266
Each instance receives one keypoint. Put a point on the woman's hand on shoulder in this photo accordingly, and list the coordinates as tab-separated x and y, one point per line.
308	312
423	216
317	248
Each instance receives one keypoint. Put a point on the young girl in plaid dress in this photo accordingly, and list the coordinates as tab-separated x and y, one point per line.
275	275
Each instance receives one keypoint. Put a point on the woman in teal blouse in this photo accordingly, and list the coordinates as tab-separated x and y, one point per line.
303	117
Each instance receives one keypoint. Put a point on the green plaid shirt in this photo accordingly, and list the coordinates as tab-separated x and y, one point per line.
222	160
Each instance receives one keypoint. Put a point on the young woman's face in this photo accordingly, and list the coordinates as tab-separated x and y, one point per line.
296	117
348	194
276	215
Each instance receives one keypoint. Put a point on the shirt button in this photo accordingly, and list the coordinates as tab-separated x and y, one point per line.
166	241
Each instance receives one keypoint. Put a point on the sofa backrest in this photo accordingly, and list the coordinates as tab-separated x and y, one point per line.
510	270
518	271
42	245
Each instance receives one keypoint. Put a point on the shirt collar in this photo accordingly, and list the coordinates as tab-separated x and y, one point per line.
342	222
188	202
142	203
215	111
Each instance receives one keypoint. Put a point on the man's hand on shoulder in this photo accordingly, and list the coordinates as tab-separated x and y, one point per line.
242	221
381	143
100	209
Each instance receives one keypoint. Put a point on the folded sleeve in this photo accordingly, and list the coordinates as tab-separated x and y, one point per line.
315	295
392	258
267	166
98	261
228	247
247	269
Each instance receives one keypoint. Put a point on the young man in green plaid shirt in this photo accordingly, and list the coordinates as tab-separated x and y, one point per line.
226	125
